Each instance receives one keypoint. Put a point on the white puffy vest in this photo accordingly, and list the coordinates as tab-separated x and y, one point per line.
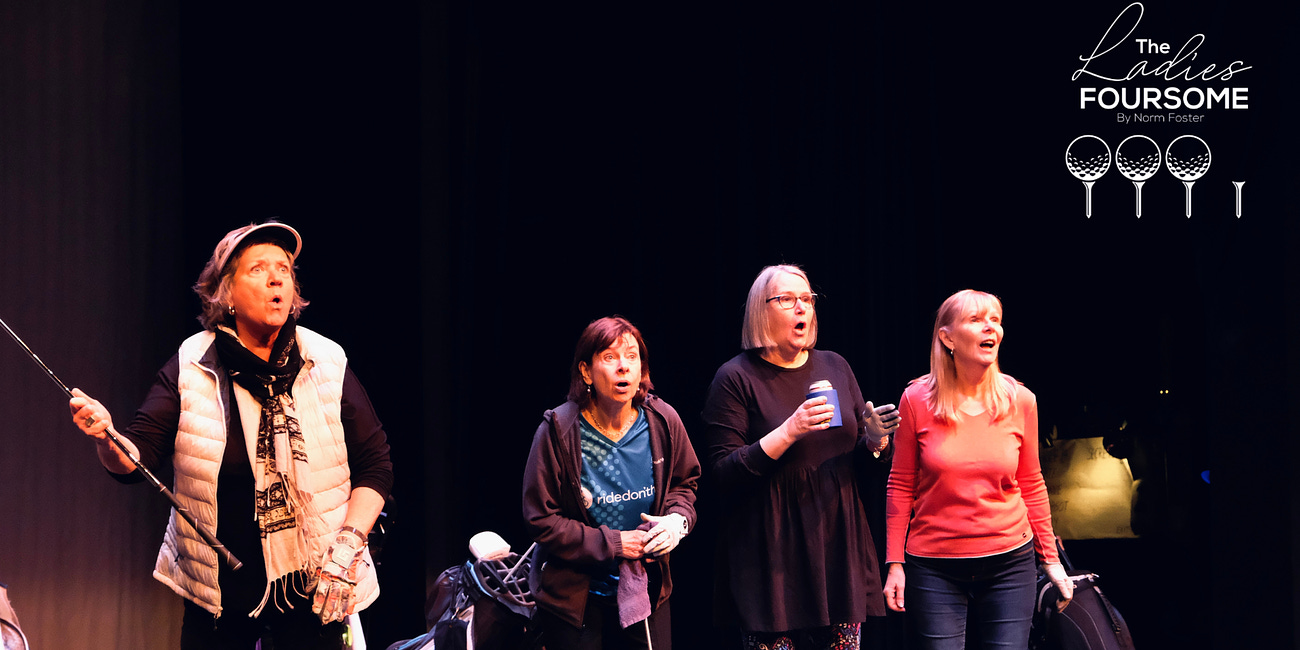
185	562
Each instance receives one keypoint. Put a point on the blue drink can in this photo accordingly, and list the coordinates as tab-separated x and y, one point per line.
823	388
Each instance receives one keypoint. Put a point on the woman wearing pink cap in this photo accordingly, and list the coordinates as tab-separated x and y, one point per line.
275	446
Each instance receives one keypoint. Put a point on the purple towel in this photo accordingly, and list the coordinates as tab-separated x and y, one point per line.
633	589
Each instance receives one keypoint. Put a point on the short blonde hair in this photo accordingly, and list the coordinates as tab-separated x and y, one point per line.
941	383
754	332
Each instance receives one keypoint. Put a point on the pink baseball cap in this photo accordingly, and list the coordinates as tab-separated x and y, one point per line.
282	235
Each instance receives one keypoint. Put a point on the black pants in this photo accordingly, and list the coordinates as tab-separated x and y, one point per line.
292	629
601	630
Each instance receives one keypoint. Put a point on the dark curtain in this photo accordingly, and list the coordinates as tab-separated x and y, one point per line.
474	183
133	136
90	194
650	162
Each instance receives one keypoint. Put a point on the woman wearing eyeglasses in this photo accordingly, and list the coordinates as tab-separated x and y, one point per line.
797	566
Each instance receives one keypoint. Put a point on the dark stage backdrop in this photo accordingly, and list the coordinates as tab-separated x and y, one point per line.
90	193
474	183
134	135
649	162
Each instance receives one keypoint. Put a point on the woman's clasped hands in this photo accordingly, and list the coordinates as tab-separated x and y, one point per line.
667	532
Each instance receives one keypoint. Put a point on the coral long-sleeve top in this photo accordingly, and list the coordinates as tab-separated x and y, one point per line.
970	488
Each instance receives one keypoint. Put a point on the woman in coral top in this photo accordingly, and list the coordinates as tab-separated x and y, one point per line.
966	505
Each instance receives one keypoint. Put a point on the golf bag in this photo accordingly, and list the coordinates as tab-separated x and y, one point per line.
1090	622
483	604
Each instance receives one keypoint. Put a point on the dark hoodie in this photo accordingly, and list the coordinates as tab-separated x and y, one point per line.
572	547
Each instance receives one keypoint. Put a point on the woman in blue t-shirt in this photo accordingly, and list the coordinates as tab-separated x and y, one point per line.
609	492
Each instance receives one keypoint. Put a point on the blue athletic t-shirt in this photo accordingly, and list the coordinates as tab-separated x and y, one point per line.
617	483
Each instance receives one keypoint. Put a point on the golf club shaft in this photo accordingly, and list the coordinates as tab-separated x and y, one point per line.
208	538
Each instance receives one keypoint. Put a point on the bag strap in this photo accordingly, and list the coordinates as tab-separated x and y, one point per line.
1116	621
1065	559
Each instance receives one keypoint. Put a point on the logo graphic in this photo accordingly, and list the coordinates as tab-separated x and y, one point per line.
1160	72
1137	158
626	495
1188	158
1087	158
1154	61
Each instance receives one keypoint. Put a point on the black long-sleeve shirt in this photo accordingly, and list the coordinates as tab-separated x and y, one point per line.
153	430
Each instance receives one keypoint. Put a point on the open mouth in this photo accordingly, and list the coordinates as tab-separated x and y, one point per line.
988	345
800	326
623	384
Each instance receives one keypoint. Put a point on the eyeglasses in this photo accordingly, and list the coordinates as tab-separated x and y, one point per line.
787	301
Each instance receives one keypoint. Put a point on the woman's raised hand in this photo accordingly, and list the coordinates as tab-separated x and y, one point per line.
880	423
93	419
89	415
882	420
813	415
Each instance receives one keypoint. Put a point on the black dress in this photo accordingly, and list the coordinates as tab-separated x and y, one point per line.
795	550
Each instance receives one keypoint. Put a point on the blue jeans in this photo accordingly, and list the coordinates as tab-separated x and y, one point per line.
996	592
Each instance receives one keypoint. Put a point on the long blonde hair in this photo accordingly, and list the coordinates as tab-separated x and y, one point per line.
940	385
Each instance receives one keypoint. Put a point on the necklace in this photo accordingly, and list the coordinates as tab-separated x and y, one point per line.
613	434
